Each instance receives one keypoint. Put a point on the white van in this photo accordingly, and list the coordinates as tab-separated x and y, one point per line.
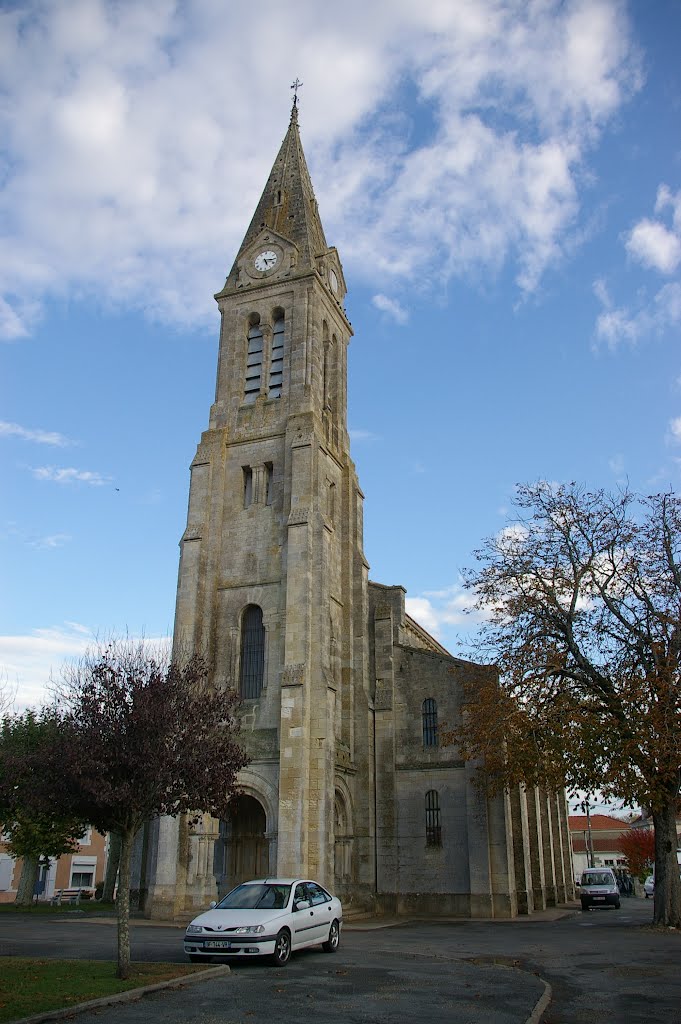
598	888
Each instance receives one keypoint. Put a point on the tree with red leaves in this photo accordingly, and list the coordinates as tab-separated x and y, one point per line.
141	737
638	846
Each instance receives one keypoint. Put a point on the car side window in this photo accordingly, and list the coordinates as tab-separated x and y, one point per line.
317	895
299	894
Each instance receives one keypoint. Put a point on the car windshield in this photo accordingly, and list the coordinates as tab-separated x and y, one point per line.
261	896
597	878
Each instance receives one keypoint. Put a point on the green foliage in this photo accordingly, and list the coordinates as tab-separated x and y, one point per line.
42	836
34	824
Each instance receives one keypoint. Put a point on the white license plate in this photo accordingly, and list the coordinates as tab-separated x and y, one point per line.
601	898
217	944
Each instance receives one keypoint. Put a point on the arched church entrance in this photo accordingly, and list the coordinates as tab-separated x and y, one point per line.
242	852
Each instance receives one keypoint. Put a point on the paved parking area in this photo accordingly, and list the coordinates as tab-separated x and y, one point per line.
604	967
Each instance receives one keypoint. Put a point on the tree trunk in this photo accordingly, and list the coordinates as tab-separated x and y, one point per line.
112	863
29	876
667	902
123	903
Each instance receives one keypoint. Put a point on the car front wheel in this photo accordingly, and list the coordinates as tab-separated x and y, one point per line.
331	944
282	948
585	907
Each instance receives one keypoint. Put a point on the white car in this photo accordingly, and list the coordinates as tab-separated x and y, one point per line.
270	917
649	886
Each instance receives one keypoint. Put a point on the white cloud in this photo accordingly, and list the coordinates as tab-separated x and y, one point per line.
675	430
617	464
657	247
70	476
363	435
54	540
12	325
50	437
666	198
28	662
128	137
654	246
391	307
445	613
615	325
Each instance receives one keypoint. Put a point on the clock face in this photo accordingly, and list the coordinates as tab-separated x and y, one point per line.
265	260
333	280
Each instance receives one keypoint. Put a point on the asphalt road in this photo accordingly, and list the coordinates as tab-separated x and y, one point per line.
605	966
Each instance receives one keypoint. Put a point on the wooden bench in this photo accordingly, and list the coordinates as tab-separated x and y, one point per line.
70	896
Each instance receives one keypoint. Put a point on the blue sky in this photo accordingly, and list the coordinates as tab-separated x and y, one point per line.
503	183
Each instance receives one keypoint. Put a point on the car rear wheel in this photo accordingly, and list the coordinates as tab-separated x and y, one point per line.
282	948
331	944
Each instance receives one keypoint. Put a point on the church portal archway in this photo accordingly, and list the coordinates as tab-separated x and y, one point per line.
242	851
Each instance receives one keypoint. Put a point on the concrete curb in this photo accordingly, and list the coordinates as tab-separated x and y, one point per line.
541	1004
124	997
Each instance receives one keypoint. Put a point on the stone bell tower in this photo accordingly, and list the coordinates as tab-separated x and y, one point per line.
272	579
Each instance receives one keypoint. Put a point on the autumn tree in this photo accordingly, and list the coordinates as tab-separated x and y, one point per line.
33	824
141	737
582	598
638	846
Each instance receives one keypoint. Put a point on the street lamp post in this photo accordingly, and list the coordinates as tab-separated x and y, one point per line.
585	807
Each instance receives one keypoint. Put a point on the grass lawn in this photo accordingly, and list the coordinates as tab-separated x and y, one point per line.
93	907
30	986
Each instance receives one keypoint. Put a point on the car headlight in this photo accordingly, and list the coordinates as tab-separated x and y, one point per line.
194	928
250	929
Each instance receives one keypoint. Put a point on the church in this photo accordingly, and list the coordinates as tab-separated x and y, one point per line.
343	693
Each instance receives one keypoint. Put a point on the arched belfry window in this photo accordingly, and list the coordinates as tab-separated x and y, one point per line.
252	652
253	363
433	823
277	360
429	716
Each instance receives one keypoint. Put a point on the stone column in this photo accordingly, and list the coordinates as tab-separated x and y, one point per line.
536	849
477	830
500	842
521	850
162	900
547	848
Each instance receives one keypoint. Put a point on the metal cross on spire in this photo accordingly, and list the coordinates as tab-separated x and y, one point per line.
296	86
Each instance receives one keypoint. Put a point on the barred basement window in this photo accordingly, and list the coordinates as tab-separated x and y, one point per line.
429	717
433	824
252	652
253	364
277	360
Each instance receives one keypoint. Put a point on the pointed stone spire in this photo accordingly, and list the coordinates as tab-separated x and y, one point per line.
287	204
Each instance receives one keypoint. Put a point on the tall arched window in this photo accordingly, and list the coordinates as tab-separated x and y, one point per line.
252	652
253	363
277	360
433	824
429	716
